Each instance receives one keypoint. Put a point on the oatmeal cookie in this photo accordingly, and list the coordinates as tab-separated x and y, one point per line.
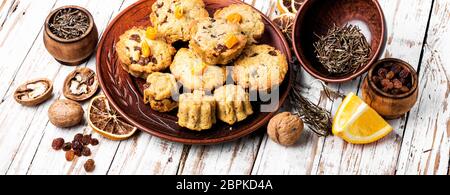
141	56
174	18
189	69
197	111
248	18
217	41
160	90
261	67
233	104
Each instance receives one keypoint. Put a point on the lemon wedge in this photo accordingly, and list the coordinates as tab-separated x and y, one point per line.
357	123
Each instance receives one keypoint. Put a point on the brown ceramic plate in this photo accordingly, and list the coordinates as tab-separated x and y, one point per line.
125	92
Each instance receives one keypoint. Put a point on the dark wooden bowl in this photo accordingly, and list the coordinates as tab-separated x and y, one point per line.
318	16
71	52
125	92
387	105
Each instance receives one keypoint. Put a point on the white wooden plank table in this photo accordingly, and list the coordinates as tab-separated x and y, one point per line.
418	32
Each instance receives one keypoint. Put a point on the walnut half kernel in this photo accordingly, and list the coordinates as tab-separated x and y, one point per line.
34	92
80	84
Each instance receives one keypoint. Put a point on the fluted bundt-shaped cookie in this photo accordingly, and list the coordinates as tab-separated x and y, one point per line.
196	111
159	91
233	104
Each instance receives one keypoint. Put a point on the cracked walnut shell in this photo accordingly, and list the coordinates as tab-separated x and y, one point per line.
80	85
34	92
285	128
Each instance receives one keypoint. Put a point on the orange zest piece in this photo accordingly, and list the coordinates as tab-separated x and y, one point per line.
179	12
151	33
145	49
234	18
230	41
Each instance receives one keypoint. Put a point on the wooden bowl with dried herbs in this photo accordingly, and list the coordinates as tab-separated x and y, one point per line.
337	41
70	35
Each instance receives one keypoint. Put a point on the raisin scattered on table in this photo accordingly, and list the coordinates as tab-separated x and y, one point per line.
86	151
77	145
77	152
89	165
86	139
67	146
94	141
78	137
57	143
70	155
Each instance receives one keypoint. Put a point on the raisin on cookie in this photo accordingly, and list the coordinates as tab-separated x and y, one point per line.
249	19
174	18
217	41
141	56
261	67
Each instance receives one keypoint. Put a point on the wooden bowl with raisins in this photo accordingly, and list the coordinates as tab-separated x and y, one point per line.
390	87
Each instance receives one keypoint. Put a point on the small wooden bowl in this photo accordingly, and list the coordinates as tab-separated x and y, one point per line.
71	52
387	105
318	16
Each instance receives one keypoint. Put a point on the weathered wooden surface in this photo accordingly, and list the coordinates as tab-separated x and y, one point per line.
417	32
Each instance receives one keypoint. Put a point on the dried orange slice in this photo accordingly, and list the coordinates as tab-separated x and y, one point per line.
106	121
285	23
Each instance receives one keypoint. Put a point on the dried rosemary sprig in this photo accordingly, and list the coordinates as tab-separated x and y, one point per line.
69	23
316	117
343	50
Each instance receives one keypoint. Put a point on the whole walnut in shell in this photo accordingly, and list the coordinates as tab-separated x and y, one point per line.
285	128
65	113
